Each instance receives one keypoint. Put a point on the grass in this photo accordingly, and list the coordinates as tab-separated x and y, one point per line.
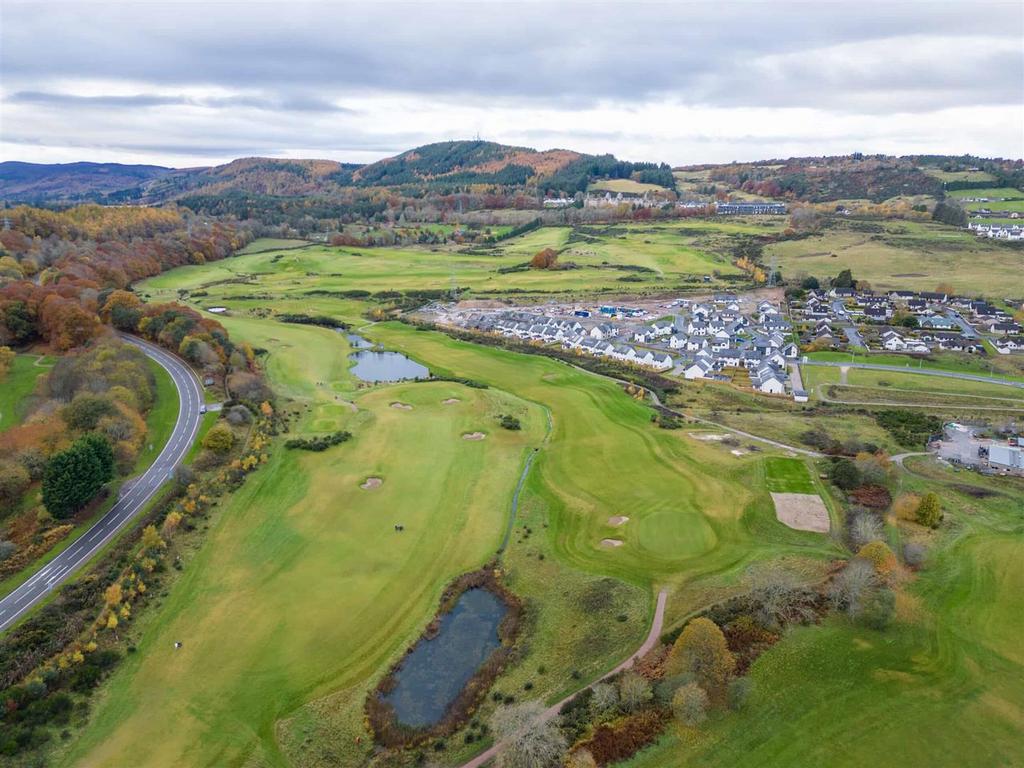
624	186
904	255
272	243
787	475
161	417
18	385
941	686
959	176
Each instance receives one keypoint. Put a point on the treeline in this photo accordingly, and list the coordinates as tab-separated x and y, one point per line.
319	443
300	319
578	175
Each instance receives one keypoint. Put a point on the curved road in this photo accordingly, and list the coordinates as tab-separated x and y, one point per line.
132	500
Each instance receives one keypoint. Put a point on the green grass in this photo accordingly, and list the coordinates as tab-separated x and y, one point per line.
942	686
787	475
19	383
161	417
272	243
941	361
905	255
988	192
624	185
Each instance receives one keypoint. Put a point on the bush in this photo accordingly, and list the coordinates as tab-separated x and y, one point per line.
880	556
634	692
914	554
612	742
844	474
929	511
865	528
220	439
510	422
879	609
318	444
690	705
740	689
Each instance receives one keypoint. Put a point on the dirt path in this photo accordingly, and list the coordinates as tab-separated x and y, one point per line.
652	639
844	371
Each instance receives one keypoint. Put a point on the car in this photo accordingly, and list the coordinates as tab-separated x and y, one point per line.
202	409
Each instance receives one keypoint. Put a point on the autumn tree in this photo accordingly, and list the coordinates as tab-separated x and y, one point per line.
545	259
220	439
123	310
929	511
6	359
14	480
634	691
690	704
530	740
880	556
702	651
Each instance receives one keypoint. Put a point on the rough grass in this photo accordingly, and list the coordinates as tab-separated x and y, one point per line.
161	417
624	185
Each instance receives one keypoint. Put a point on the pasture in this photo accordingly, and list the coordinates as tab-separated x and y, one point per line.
904	255
624	186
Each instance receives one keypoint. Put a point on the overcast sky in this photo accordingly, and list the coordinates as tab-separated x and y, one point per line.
181	84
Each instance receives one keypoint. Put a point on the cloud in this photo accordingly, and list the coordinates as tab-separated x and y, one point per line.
156	79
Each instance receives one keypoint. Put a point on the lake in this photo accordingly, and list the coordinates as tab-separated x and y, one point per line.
437	670
380	365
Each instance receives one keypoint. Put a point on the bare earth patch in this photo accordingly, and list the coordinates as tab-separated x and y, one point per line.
474	436
738	452
709	437
802	511
401	406
371	483
450	401
611	543
617	520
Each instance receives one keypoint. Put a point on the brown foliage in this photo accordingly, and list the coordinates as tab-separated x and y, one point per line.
872	496
546	259
622	738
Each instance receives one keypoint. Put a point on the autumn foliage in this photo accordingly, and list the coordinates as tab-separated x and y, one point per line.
546	259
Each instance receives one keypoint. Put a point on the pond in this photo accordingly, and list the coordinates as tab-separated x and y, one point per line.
437	670
373	364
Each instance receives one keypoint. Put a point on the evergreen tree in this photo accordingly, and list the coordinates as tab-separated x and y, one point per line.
73	477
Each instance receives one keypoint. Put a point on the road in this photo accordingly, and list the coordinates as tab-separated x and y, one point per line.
653	637
132	500
921	371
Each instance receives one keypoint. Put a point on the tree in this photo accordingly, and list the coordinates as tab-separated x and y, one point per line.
84	412
6	358
605	699
929	511
779	596
14	479
851	585
690	704
844	474
634	691
545	259
843	280
701	650
880	556
879	609
865	528
101	449
74	476
810	283
123	310
220	439
530	741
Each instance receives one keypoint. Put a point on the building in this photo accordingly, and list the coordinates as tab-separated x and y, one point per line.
1006	457
752	208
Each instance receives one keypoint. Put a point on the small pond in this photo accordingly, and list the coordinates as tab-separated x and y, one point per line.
437	670
372	364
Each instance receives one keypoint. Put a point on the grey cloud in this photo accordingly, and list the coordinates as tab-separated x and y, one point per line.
296	103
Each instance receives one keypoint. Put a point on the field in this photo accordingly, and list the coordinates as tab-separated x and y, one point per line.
904	255
698	516
624	185
959	176
941	686
19	383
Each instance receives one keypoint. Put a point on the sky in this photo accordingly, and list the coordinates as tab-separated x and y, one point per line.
186	84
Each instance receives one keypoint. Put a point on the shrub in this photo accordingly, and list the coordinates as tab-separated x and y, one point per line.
740	689
605	699
529	740
220	439
905	506
914	554
865	528
879	609
929	511
701	650
634	692
850	586
844	474
318	444
612	742
690	704
880	556
510	422
14	479
872	496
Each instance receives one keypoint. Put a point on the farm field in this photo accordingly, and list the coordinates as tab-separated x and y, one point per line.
18	385
940	686
624	185
906	255
989	192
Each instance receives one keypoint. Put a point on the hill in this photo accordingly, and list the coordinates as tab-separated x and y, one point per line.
35	182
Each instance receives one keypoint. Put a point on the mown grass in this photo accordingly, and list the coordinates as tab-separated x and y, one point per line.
18	385
942	686
788	475
161	417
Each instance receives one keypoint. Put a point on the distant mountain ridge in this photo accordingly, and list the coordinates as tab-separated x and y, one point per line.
443	164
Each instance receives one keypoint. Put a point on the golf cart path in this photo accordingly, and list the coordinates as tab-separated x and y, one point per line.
652	639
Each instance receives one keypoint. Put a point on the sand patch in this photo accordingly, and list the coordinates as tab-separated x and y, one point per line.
450	401
474	436
401	406
738	452
617	520
802	511
611	543
371	483
711	438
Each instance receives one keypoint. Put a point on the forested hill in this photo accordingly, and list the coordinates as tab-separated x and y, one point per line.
442	167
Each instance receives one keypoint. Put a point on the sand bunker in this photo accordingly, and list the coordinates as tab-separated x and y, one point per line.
802	511
611	543
738	452
710	438
401	406
617	520
450	401
474	436
371	483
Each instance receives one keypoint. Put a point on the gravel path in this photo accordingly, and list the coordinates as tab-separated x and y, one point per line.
652	640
